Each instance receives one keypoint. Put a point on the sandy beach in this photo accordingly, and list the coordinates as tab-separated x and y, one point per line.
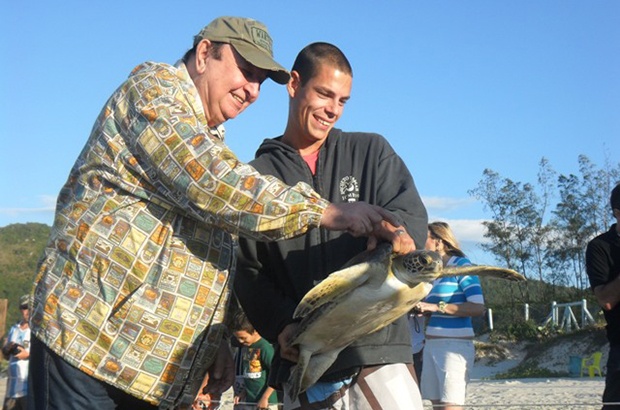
564	393
555	393
485	393
530	394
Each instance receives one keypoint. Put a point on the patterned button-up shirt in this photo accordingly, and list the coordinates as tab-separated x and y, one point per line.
134	282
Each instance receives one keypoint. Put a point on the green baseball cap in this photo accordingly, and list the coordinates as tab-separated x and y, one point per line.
250	39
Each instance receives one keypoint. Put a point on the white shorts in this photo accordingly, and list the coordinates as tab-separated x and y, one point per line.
383	387
445	373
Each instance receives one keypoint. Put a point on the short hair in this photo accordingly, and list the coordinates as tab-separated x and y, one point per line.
215	51
614	200
241	322
442	231
315	54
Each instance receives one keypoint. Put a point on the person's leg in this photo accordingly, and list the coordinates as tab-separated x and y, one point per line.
446	372
319	396
459	358
430	372
37	376
612	379
385	387
22	403
55	384
9	404
417	365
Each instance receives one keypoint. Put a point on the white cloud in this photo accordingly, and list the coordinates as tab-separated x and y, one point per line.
437	203
49	201
42	211
466	230
46	203
22	211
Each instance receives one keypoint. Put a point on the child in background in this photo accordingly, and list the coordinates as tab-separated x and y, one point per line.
256	354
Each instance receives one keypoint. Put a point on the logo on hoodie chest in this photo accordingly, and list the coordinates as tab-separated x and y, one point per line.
349	189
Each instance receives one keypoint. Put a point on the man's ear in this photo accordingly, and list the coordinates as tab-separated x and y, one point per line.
294	84
202	54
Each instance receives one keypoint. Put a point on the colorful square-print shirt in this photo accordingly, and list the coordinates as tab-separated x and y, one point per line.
134	282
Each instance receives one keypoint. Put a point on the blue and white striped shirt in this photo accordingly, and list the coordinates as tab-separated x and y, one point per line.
454	290
17	385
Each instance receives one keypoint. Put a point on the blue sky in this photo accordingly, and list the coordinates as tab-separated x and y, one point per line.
455	86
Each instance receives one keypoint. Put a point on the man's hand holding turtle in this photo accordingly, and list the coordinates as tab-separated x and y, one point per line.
363	219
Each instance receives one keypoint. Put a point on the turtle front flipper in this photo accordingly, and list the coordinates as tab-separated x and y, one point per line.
309	370
331	288
483	270
369	265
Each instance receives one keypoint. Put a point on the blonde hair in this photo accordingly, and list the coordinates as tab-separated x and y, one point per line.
442	231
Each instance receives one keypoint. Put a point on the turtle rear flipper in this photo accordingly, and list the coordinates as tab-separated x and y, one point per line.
309	369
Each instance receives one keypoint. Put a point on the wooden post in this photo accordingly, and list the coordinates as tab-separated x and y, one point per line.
4	303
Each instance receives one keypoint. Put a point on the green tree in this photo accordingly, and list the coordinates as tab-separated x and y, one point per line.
551	247
517	233
582	212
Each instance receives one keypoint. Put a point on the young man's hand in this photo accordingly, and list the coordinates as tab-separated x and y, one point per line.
401	242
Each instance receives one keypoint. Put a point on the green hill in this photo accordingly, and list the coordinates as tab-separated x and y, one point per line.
21	245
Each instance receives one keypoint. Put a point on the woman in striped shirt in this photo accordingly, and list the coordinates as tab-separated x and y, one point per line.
453	301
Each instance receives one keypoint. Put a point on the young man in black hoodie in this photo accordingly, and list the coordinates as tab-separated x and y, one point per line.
273	277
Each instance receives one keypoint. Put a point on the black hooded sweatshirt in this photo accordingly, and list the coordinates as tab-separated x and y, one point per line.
273	277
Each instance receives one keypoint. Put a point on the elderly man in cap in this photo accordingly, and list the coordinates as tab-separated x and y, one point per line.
131	295
16	350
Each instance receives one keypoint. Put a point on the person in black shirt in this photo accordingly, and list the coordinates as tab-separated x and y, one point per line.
603	268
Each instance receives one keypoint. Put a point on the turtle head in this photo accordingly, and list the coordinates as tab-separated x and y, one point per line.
417	267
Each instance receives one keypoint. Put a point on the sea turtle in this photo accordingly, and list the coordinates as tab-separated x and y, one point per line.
373	290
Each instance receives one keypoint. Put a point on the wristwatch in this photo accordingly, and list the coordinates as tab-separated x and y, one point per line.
442	306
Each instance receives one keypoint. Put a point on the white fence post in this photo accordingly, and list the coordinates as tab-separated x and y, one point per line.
584	307
585	313
527	312
567	321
